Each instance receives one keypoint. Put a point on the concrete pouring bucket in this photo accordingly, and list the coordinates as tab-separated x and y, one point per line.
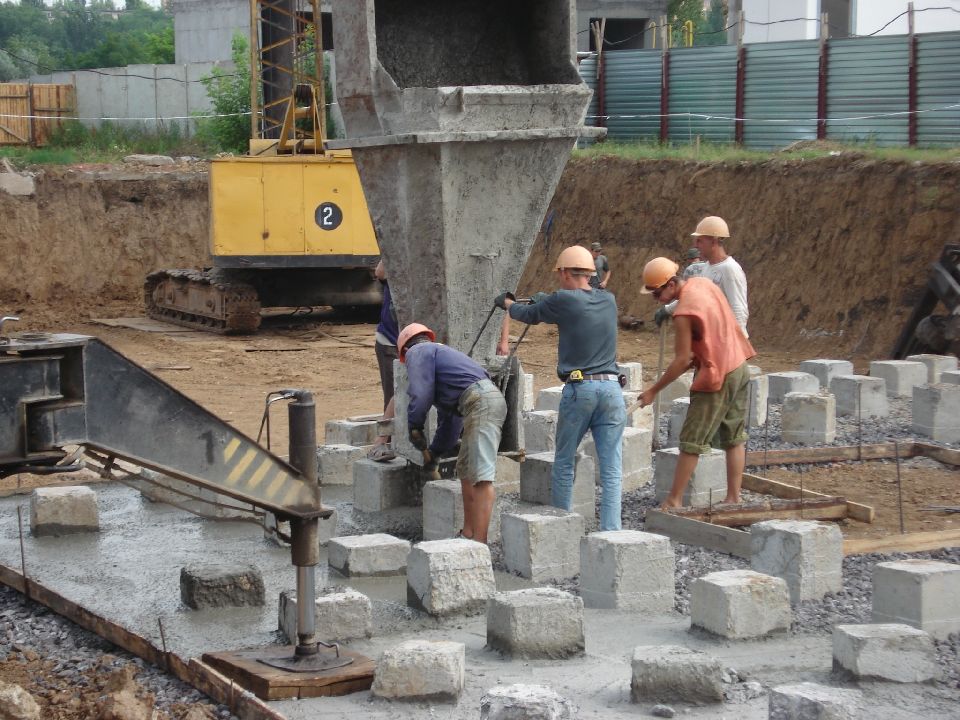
461	116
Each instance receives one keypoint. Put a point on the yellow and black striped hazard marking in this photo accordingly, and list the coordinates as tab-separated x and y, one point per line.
254	473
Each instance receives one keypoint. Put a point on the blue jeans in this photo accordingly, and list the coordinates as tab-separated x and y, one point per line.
596	406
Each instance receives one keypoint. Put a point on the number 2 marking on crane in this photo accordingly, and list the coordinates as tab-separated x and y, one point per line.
328	216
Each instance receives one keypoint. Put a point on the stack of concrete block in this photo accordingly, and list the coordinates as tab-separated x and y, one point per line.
677	389
627	570
540	430
922	593
758	398
536	623
739	604
342	614
900	376
807	555
518	702
542	543
421	670
636	457
950	377
375	555
213	585
860	396
808	418
709	481
445	577
806	700
676	416
936	412
507	478
335	463
668	673
894	652
529	396
63	511
387	496
936	365
826	370
356	433
549	398
781	383
536	483
443	510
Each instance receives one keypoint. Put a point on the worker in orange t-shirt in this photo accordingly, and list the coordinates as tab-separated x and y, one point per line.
708	339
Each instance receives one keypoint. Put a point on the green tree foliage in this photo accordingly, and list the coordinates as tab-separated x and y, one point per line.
707	27
230	97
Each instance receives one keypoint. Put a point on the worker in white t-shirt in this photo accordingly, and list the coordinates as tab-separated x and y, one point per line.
710	237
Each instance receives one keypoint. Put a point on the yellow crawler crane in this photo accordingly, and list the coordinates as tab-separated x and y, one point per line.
289	225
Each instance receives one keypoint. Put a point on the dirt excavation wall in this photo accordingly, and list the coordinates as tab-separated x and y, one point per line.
835	250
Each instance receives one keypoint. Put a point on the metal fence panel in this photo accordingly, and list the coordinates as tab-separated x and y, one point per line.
780	93
588	73
868	77
938	86
703	82
632	85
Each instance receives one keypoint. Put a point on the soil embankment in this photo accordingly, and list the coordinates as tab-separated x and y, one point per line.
835	250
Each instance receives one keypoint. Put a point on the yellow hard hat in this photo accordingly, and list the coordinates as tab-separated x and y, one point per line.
657	273
575	257
410	332
713	226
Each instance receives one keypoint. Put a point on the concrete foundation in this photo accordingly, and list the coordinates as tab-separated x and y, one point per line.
535	483
401	401
951	377
525	702
221	586
709	481
807	555
641	418
63	511
549	398
157	487
740	604
443	511
936	412
781	383
679	388
637	467
627	570
375	555
349	432
507	478
936	365
335	463
536	623
634	374
539	431
542	543
668	673
379	486
809	701
809	418
757	400
901	376
922	593
826	370
420	670
898	653
529	395
342	614
860	394
675	419
445	577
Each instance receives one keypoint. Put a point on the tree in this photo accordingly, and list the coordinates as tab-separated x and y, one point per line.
707	29
230	97
711	30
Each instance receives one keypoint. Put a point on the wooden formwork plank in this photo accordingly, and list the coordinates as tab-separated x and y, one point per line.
909	542
755	483
947	456
695	532
878	451
823	508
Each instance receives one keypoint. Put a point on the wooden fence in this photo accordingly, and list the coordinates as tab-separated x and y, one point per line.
29	112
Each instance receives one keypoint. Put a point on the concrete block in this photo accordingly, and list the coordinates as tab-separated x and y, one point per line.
335	463
525	702
809	701
374	555
401	433
342	614
677	389
936	412
781	383
860	393
350	432
754	370
922	593
668	673
549	398
384	485
443	511
539	430
808	418
808	555
210	585
675	417
898	653
739	604
507	477
535	483
627	570
640	417
420	669
901	376
757	400
445	577
951	377
634	374
543	543
63	510
637	466
529	395
826	370
936	365
709	479
536	623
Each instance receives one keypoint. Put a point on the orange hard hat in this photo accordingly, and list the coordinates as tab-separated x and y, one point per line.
713	226
657	273
410	332
576	257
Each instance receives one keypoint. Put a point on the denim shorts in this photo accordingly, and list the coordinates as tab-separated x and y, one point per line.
484	411
717	419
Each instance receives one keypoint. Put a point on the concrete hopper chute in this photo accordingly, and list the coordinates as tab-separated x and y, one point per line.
461	116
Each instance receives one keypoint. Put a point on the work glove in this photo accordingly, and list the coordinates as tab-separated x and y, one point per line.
661	315
418	439
538	297
501	300
430	465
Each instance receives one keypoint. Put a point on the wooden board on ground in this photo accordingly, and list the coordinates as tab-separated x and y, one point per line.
270	683
757	484
145	325
908	542
695	532
878	451
823	508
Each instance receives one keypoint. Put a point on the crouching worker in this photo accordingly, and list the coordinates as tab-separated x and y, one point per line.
708	339
466	399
